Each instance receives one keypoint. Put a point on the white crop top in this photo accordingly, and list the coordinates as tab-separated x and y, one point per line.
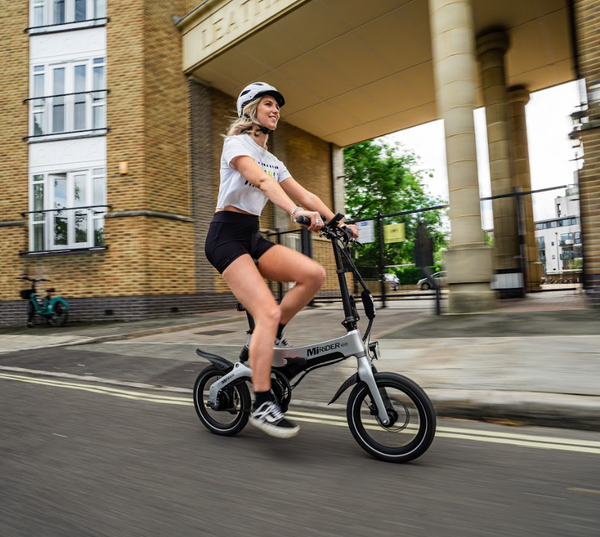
237	191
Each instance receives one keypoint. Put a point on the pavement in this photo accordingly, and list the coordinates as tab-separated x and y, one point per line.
532	361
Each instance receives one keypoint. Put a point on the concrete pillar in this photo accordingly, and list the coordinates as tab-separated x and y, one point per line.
468	260
491	48
337	179
281	219
518	97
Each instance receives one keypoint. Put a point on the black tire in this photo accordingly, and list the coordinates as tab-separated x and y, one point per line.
235	401
425	286
60	315
30	314
413	419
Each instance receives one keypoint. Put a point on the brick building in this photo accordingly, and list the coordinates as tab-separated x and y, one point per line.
109	161
113	110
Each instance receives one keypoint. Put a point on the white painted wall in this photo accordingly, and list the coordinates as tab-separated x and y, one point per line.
63	156
67	46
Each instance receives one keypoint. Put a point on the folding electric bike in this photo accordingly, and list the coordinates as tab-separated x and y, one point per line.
389	415
54	310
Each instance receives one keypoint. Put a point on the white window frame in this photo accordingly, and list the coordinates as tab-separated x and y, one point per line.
45	108
93	217
94	9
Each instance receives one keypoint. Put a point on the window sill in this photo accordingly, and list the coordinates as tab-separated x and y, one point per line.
67	26
66	251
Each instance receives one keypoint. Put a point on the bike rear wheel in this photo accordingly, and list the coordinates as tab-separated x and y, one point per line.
412	419
60	315
233	404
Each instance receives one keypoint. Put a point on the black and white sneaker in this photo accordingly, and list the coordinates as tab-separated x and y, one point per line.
281	341
269	418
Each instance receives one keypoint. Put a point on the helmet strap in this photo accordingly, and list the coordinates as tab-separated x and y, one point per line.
265	130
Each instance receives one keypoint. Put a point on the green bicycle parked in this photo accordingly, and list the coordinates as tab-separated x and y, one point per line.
54	310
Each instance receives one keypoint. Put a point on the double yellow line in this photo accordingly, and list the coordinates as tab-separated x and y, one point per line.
521	440
475	435
103	390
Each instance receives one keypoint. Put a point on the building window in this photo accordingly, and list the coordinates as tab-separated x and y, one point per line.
67	210
566	239
54	12
68	97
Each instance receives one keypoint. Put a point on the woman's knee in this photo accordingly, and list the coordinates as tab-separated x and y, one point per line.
315	276
268	316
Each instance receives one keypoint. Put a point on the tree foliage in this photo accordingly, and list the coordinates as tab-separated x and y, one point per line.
381	178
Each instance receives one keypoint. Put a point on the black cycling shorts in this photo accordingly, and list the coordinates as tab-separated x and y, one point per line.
231	235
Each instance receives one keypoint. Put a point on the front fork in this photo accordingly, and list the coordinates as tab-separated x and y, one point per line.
365	373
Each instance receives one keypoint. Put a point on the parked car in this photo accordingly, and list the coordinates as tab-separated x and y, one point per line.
439	276
393	280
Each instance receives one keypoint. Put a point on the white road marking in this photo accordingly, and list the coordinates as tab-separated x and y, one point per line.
521	440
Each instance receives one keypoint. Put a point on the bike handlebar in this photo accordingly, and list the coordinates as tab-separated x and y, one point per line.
331	228
25	277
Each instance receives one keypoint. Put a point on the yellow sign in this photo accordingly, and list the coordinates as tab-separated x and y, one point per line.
393	233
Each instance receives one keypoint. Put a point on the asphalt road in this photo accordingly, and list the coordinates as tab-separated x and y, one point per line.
81	459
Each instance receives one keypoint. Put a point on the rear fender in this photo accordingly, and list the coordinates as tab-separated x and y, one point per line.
57	300
218	361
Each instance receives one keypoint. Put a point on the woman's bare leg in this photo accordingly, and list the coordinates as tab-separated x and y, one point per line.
249	287
282	264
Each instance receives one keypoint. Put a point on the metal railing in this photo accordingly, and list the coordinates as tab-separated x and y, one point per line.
70	228
81	119
60	26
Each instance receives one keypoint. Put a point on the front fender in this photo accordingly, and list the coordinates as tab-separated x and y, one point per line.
56	300
349	382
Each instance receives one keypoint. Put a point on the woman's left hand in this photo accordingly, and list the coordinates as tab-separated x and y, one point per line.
353	229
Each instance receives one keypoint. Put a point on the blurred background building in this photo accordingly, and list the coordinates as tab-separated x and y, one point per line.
559	240
113	111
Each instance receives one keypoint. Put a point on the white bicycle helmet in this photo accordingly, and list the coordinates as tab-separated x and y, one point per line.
254	91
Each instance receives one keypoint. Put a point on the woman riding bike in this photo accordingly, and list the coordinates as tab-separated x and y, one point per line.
250	176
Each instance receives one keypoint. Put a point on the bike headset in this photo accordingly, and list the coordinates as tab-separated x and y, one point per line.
254	91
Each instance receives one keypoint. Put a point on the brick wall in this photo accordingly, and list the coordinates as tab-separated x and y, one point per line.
125	105
309	162
587	20
166	136
14	80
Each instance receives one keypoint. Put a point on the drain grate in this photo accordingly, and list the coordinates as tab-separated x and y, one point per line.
215	332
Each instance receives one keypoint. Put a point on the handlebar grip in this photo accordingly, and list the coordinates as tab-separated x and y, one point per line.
303	220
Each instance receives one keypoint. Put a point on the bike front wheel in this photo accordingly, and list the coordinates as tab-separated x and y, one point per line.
412	419
232	409
30	315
